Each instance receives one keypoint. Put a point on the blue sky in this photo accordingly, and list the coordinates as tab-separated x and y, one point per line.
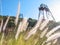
29	8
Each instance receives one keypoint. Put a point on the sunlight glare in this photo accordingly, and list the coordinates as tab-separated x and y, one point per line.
55	9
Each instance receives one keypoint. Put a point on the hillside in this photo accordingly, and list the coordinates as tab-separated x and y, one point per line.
27	34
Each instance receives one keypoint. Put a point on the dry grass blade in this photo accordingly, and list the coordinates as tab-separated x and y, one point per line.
34	29
24	24
22	27
4	27
49	43
44	24
43	43
52	31
43	33
55	41
52	37
1	25
18	30
17	15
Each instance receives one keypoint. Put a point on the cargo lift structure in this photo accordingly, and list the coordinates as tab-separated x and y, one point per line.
45	12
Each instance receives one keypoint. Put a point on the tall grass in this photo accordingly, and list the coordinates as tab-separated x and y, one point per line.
20	35
36	36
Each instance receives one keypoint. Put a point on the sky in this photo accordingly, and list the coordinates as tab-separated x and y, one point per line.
29	8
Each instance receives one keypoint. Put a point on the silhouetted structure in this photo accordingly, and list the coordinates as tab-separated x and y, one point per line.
45	8
21	15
